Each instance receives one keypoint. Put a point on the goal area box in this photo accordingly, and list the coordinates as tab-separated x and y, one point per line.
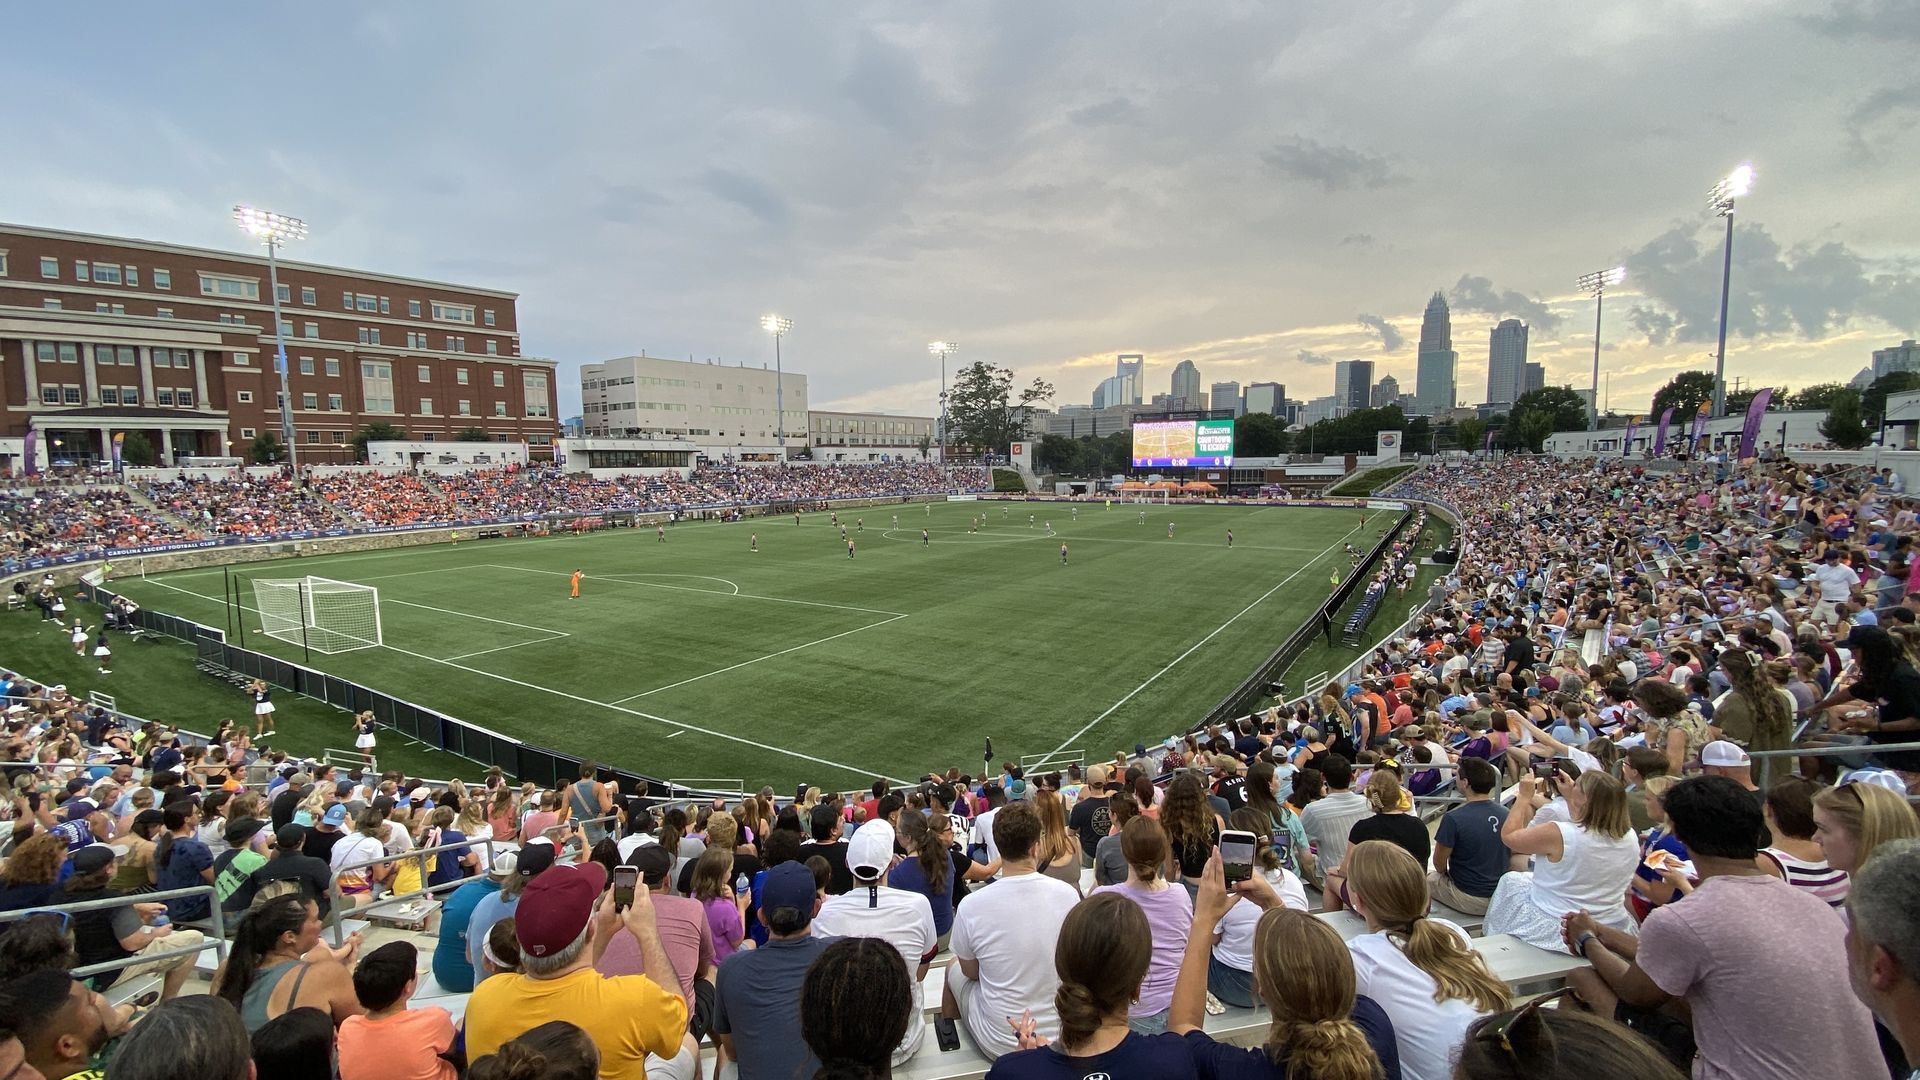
319	613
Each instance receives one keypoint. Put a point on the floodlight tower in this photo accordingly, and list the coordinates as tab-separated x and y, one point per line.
1596	283
941	349
276	229
1720	200
778	327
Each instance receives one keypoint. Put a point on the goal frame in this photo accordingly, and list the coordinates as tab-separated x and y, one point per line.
297	611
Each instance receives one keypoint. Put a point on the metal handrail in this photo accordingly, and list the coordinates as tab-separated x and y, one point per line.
217	941
337	909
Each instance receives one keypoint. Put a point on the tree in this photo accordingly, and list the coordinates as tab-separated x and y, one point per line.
1818	396
266	448
471	434
1873	400
1565	410
375	432
983	411
1739	400
1470	435
1843	426
1684	393
1258	435
1530	428
135	449
1058	454
925	446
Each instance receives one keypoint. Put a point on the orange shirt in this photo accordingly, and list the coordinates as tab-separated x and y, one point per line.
404	1046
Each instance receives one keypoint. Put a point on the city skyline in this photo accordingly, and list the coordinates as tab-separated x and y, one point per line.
1047	190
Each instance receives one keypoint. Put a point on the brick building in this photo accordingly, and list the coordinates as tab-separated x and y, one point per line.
100	335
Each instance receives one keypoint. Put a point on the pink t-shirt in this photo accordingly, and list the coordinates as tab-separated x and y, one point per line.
1764	967
684	934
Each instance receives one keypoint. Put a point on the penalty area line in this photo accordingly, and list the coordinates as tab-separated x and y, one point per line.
755	660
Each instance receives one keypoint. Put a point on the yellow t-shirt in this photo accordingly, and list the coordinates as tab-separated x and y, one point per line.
627	1016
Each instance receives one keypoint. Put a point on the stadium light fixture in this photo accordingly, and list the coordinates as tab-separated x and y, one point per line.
942	349
1596	285
1720	200
779	328
273	230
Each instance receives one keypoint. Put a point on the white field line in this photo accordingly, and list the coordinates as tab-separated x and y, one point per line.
755	660
504	648
676	724
705	592
482	618
695	577
1088	726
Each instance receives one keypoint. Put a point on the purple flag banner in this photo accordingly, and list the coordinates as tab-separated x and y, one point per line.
119	440
1752	429
1699	428
1626	444
1660	436
1489	443
30	452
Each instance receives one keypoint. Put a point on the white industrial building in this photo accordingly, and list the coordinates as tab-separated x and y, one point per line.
718	407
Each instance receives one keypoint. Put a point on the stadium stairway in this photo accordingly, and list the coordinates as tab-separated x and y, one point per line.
154	509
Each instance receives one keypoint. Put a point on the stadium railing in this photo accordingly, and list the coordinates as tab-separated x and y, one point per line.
338	911
217	940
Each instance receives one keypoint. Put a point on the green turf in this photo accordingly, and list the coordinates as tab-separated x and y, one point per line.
698	658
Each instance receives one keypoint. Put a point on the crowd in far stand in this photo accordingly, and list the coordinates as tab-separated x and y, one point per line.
48	522
245	506
1600	683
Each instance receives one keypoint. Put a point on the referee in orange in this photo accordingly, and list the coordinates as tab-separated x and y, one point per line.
577	575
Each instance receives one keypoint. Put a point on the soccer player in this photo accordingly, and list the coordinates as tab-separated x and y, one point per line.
1229	537
1006	511
1109	504
661	531
1063	554
753	541
1143	518
896	521
577	575
860	524
1076	513
929	509
1029	521
1169	530
1049	528
849	549
836	517
923	538
796	517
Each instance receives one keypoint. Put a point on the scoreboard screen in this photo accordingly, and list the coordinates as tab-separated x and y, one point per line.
1178	443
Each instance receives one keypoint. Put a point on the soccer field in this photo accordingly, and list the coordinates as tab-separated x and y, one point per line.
696	657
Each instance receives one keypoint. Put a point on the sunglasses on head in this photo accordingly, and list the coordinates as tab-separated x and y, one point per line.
1500	1030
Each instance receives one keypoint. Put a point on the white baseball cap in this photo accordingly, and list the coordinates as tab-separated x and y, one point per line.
870	852
1722	754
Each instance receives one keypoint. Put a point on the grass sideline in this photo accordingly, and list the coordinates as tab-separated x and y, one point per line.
697	657
1372	480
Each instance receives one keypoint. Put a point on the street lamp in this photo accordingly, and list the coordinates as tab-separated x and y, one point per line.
1720	201
1596	283
778	327
941	349
276	229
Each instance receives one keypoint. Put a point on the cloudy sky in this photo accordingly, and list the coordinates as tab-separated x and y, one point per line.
1262	188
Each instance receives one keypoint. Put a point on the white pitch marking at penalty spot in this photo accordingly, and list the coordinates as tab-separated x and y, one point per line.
755	660
708	592
1196	645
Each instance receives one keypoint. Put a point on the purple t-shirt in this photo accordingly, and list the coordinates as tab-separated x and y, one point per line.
1763	966
725	925
1169	916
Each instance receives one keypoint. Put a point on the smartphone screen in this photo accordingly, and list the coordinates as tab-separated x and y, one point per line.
1236	855
625	878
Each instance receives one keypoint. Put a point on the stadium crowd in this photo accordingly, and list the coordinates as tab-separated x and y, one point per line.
1610	695
248	506
56	520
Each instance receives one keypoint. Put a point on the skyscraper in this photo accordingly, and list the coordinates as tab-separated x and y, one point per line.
1267	397
1352	384
1536	378
1131	365
1386	392
1433	389
1226	396
1506	361
1186	386
1120	389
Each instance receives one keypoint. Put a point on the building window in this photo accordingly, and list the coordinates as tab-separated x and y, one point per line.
71	395
80	270
102	355
500	379
460	376
364	339
163	313
493	347
376	385
306	365
385	307
164	396
69	353
465	408
499	408
246	433
460	313
133	275
332	367
241	359
311	331
487	316
426	406
244	397
534	385
109	395
183	398
309	401
500	437
162	279
127	355
425	373
286	327
49	266
50	394
313	436
413	308
335	403
284	294
346	301
374	333
339	436
307	295
184	359
426	436
43	351
368	304
456	344
51	304
236	288
106	274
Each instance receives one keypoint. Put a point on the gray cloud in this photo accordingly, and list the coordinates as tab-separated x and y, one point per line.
748	194
1117	110
1390	339
1308	356
1879	20
1333	168
1886	104
1811	290
1473	293
1358	239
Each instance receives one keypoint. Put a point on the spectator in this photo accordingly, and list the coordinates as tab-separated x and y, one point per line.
725	910
298	1044
352	859
825	825
1003	941
1582	864
1104	952
1331	818
61	1023
182	861
290	862
1530	1041
452	969
1795	856
684	937
1192	827
1169	913
391	1040
233	868
1265	796
874	909
1109	860
1091	819
855	1002
1658	879
325	833
754	1019
1303	973
1882	956
103	935
563	923
1392	820
1852	821
281	938
1058	853
528	863
35	943
1421	971
31	872
723	832
555	1050
1469	856
190	1038
935	867
1751	956
1230	964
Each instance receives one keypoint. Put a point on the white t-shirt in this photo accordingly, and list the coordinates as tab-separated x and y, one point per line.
983	834
354	848
1428	1035
1233	937
903	920
1010	928
1836	581
627	845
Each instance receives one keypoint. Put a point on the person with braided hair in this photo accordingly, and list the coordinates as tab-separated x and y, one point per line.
1102	957
855	1005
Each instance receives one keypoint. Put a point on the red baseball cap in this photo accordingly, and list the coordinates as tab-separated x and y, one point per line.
556	906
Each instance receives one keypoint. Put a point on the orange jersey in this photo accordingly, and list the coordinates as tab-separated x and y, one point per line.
576	581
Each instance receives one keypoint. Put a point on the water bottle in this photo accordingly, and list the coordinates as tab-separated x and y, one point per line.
160	920
740	885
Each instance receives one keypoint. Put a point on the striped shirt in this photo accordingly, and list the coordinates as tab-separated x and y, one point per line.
1818	878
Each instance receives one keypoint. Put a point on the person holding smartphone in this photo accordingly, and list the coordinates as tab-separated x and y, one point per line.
1578	865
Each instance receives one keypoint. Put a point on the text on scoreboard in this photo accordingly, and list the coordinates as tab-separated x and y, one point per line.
1176	443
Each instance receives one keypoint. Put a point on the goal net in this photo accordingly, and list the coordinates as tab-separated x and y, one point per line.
319	613
1156	495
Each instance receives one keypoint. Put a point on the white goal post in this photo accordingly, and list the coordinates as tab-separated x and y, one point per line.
319	613
1155	495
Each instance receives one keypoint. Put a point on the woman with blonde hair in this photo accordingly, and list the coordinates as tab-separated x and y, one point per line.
1853	820
1057	854
1578	865
1422	972
1320	1028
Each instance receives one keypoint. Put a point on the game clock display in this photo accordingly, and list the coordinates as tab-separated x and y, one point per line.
1183	443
